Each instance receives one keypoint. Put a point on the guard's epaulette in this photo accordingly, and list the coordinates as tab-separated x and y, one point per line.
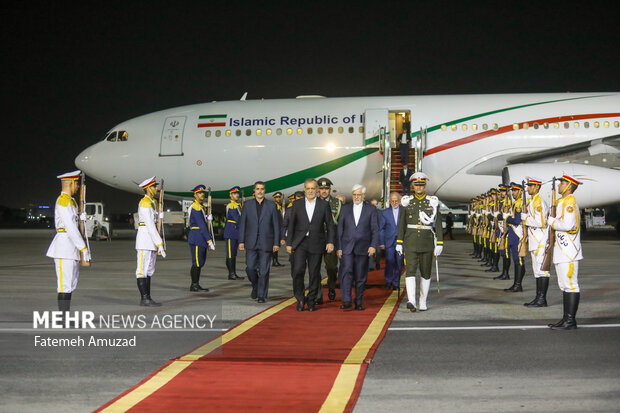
196	206
65	200
146	202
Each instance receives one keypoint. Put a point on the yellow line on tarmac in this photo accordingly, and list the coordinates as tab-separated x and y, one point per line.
344	384
177	366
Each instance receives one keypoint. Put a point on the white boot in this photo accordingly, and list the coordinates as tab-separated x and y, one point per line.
411	293
426	284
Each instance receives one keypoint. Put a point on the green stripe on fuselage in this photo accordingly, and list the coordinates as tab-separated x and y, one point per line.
293	179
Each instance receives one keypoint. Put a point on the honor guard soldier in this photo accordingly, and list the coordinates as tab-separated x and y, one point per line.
477	223
504	207
148	241
515	235
330	259
567	250
68	243
420	237
231	232
492	220
199	237
537	236
277	198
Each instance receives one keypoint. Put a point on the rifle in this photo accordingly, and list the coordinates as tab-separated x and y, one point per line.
523	242
546	265
502	239
160	211
210	223
82	209
469	219
494	227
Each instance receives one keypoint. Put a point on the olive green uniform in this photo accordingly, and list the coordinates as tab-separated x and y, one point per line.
331	259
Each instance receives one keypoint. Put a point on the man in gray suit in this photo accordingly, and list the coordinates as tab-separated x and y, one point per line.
259	237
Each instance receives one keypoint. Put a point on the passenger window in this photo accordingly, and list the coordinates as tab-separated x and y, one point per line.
536	125
596	124
453	127
111	137
259	132
299	131
208	133
319	131
515	126
227	132
361	129
309	131
586	125
218	133
526	125
340	129
576	125
350	129
279	131
330	130
616	124
495	127
238	132
289	131
566	125
268	132
546	125
606	124
556	125
474	126
485	126
248	132
444	128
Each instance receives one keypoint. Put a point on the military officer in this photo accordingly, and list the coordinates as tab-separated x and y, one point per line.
420	237
515	235
231	232
537	236
68	243
199	237
330	259
148	241
277	198
504	207
567	250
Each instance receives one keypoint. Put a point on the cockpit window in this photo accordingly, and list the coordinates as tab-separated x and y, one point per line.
117	136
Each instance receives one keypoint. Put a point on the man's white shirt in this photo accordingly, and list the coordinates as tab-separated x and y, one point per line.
357	212
310	210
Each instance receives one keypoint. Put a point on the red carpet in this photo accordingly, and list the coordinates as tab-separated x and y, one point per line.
280	360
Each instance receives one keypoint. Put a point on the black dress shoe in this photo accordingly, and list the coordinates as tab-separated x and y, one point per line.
300	306
387	286
196	287
331	295
261	300
318	301
345	306
254	294
235	277
359	307
311	308
411	307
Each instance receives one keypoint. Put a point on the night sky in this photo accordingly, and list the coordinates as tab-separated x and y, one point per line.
69	74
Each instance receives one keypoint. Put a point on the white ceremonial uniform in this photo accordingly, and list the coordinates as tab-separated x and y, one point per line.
567	249
147	238
537	233
67	243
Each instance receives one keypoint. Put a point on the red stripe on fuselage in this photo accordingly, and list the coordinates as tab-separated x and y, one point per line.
504	129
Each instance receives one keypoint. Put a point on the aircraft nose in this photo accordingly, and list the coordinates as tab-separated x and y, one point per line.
84	160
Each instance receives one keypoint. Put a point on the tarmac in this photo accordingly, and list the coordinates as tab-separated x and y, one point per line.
476	349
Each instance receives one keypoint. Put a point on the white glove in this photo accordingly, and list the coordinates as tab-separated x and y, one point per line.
210	217
212	246
83	216
405	200
161	251
438	250
550	220
161	215
433	201
399	249
86	255
524	216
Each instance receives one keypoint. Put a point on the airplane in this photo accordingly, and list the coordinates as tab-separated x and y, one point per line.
467	143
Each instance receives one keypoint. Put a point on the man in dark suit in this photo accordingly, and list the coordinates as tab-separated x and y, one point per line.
388	231
310	233
404	177
358	237
404	142
259	236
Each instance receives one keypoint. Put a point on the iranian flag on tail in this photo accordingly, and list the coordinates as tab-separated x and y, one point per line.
211	121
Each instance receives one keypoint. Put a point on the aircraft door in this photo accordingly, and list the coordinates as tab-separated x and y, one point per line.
376	125
172	136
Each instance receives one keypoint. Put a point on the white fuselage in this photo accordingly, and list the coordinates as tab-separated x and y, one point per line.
469	138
